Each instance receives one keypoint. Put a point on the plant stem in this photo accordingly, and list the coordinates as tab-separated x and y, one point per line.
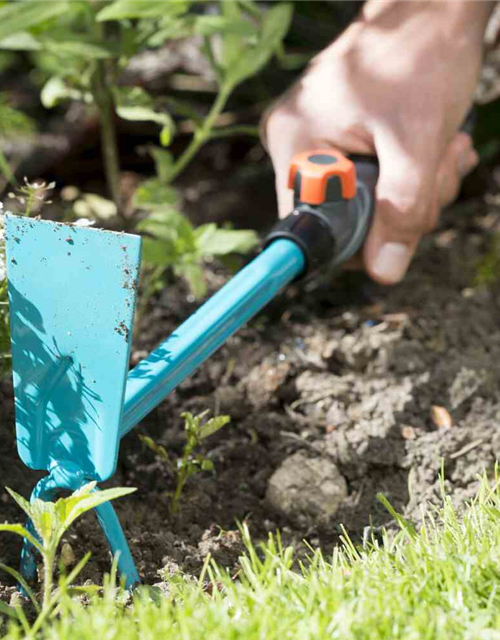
202	134
104	101
48	571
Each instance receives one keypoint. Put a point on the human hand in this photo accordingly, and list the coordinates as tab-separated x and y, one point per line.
396	84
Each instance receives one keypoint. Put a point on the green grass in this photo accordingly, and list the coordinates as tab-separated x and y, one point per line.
442	581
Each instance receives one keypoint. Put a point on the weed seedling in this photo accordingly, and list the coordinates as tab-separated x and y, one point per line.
189	463
50	521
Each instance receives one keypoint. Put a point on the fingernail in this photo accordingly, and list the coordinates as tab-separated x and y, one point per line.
467	162
391	262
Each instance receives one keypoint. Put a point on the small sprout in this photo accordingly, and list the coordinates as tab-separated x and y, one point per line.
190	463
32	195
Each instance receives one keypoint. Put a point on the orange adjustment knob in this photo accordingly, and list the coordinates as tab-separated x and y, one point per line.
322	175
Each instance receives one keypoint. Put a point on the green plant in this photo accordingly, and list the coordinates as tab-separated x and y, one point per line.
197	429
82	46
173	242
438	582
50	521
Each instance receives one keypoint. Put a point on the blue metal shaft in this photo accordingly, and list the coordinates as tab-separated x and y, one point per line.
208	328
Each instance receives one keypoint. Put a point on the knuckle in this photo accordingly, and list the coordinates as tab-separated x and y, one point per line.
407	214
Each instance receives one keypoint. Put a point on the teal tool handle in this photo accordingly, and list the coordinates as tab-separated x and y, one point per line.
333	230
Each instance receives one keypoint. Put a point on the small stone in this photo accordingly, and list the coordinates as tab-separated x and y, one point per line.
441	417
307	487
408	432
263	382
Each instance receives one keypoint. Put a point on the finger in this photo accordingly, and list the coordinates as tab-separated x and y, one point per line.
404	208
459	159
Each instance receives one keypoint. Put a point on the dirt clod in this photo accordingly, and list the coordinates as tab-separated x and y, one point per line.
307	488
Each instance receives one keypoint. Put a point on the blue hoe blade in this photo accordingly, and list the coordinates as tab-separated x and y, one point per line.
72	293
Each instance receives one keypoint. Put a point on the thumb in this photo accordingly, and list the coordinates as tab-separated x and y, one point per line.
405	208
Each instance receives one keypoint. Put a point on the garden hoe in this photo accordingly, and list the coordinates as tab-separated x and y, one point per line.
72	293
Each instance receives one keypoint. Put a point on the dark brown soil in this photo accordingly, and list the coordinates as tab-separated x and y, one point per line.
341	369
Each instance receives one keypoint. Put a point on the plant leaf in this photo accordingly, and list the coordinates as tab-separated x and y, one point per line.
18	576
23	532
137	105
172	29
22	41
212	426
156	448
141	9
153	193
209	25
275	25
5	608
87	502
211	241
55	90
164	162
193	274
44	519
22	502
20	16
80	48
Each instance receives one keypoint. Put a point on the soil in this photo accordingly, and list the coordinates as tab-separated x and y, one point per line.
386	383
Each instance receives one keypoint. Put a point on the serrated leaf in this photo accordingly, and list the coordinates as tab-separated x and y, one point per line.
21	16
212	426
93	500
22	502
23	532
211	241
141	9
44	519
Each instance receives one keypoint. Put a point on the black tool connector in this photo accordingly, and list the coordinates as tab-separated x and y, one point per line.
330	230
